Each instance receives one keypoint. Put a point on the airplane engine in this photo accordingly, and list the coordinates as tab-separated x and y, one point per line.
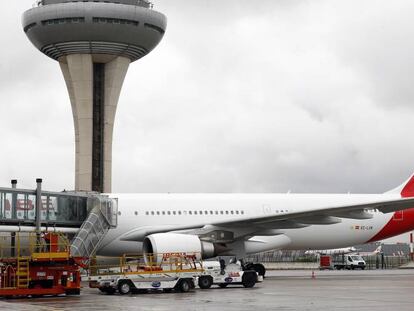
157	245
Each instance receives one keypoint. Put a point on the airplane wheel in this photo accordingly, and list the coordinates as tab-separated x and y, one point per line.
205	281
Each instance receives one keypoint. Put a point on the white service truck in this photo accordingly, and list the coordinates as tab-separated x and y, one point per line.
348	261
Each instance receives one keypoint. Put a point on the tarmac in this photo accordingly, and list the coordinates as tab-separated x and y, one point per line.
378	290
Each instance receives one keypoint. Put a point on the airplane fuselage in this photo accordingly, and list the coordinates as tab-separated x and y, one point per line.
139	213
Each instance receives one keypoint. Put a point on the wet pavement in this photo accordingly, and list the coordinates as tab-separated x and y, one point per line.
281	290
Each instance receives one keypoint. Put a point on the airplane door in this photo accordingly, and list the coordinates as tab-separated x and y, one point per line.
267	209
398	216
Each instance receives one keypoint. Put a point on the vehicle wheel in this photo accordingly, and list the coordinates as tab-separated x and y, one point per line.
223	285
260	269
205	281
249	279
167	290
352	267
362	268
184	286
124	287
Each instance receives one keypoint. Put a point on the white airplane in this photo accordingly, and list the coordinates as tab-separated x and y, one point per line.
332	251
346	250
373	253
242	224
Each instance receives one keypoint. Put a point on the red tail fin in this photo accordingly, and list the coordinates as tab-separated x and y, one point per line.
408	190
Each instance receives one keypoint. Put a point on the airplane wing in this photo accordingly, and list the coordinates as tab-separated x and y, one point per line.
272	224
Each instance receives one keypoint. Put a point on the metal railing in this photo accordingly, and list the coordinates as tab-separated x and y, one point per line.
138	264
142	3
101	218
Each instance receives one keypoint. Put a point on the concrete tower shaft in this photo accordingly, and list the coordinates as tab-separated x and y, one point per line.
94	42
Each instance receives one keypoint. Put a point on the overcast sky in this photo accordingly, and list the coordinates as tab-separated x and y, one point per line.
240	96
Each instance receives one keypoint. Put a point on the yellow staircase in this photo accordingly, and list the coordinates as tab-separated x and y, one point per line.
22	272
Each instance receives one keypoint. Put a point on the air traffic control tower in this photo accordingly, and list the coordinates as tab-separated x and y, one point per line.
94	42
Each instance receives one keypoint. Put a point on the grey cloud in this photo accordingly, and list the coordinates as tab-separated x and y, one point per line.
241	96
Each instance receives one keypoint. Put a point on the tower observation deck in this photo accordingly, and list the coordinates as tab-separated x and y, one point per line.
94	42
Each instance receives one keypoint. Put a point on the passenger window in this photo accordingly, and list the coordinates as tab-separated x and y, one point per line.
190	212
163	212
221	212
195	212
169	213
146	213
237	212
152	213
232	212
173	212
216	213
179	212
136	213
227	212
158	212
242	212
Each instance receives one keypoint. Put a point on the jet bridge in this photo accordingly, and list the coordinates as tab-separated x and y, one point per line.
88	215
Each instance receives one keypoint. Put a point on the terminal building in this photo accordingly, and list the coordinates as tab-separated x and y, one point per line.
94	42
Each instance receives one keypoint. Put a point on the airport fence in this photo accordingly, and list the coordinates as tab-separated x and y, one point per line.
379	261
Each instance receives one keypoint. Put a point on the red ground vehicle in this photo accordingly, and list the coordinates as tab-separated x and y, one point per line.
43	266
